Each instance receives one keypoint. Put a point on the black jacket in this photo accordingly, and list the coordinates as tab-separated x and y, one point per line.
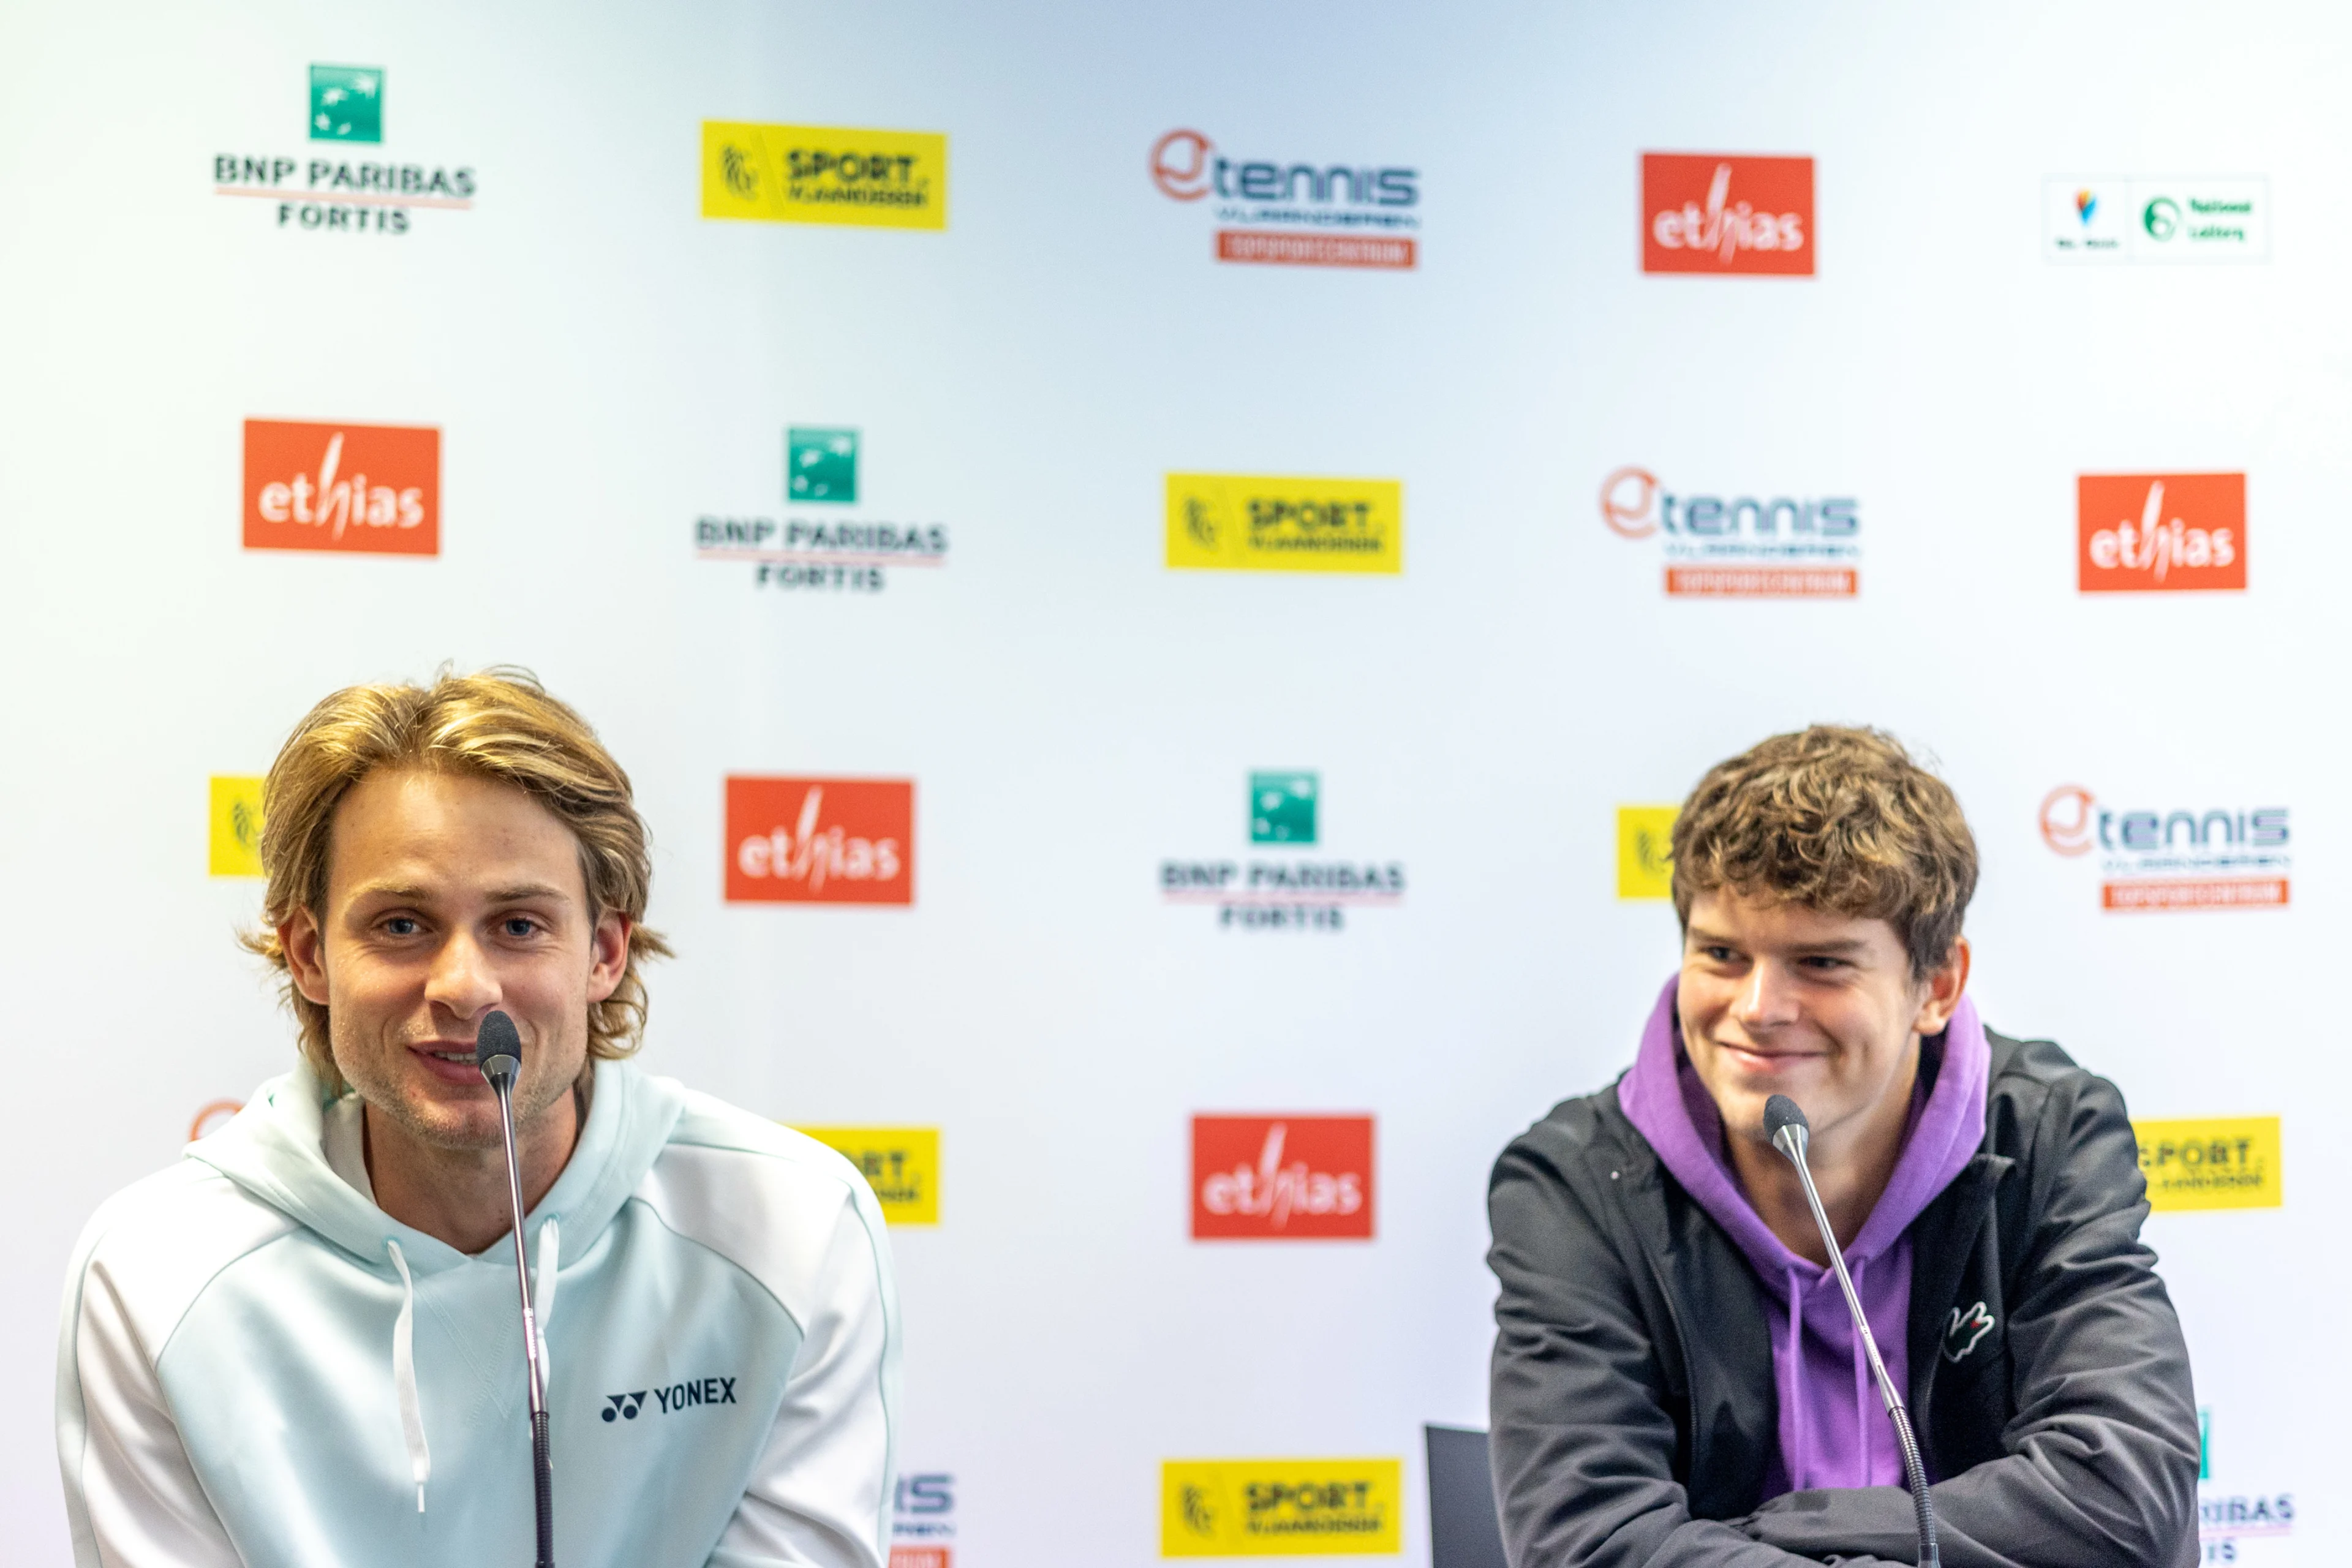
1634	1405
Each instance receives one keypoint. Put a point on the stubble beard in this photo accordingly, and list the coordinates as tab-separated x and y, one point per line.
471	1126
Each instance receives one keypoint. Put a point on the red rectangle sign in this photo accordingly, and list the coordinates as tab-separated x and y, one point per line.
1314	249
819	841
2138	533
1282	1178
2192	893
1762	582
370	488
1725	212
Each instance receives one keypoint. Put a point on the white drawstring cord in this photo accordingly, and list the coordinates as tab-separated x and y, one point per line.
1796	1359
1862	1390
543	1280
403	1376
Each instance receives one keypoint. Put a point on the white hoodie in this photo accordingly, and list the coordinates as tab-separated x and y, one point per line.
259	1366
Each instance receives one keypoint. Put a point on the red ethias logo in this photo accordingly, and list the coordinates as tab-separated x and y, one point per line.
1276	1178
819	841
2156	533
370	488
1714	212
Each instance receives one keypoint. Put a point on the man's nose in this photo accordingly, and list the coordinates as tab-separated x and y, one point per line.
461	979
1768	997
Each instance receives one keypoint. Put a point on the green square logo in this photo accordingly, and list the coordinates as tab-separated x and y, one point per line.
821	465
1282	808
346	103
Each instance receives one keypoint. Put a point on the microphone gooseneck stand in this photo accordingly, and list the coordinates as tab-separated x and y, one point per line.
498	1051
1790	1132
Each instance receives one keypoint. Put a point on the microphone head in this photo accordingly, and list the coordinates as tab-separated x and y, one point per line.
498	1048
1786	1126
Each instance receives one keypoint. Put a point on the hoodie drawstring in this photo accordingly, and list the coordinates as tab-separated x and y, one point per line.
1795	1360
543	1280
403	1376
1860	1385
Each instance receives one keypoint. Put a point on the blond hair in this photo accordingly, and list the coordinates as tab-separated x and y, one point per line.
1838	820
499	724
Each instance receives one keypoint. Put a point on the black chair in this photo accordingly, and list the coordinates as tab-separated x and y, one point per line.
1463	1529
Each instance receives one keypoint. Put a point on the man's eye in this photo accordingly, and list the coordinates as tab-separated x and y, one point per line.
520	925
1720	954
401	925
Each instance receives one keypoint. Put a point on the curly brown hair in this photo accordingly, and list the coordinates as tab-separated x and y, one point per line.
500	724
1835	819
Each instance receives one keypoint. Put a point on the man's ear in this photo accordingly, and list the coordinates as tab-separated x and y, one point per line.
608	955
306	955
1945	982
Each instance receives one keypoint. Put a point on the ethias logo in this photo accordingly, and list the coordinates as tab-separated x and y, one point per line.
819	841
2179	860
2160	533
1725	213
1275	1178
1740	546
374	489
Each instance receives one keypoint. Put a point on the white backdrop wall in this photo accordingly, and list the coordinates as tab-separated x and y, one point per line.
605	365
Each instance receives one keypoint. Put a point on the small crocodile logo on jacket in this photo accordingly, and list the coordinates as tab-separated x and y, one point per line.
1965	1329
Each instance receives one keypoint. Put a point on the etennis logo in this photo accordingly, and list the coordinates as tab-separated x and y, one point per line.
1764	544
1281	1508
825	175
368	489
1282	1178
900	1164
2223	858
819	841
2146	534
2217	1163
1238	522
1294	212
1727	213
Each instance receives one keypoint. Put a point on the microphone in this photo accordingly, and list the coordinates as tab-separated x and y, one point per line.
1790	1132
498	1051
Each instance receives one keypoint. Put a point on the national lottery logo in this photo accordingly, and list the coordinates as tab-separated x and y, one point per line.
1758	545
2170	858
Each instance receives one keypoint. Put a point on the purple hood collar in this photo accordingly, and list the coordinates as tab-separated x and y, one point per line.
1825	1439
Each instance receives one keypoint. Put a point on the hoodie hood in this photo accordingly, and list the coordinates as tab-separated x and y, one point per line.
1831	1432
275	1150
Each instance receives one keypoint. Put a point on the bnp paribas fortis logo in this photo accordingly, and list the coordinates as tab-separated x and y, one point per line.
2211	1162
834	545
815	174
900	1164
1281	1508
327	190
1280	888
235	820
1239	522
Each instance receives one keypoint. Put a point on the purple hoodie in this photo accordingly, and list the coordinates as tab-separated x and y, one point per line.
1832	1433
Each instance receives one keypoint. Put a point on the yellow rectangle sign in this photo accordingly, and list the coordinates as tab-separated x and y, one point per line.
1240	522
235	827
816	174
2211	1162
1645	839
900	1164
1281	1508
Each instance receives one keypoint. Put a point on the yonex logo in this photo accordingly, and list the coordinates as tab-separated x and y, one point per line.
677	1396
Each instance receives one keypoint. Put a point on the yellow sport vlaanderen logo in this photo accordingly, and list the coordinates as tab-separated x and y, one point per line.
236	827
1242	522
816	174
1645	867
2211	1162
900	1164
1280	1507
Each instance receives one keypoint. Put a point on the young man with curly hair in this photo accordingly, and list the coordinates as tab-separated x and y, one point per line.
1676	1381
302	1344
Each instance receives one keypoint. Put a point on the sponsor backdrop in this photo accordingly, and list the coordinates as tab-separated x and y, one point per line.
1159	582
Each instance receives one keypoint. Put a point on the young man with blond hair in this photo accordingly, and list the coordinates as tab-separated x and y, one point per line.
1676	1379
301	1345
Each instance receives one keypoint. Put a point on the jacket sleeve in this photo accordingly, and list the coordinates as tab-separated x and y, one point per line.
132	1499
1583	1443
820	1490
2102	1461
